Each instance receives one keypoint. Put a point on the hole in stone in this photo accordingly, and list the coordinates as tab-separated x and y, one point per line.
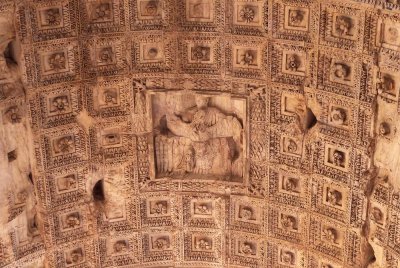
12	51
30	177
310	120
372	259
369	254
12	155
33	225
98	191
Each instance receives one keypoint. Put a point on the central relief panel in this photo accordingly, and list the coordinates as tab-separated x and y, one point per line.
199	136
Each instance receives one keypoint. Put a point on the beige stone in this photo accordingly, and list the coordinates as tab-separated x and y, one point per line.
200	133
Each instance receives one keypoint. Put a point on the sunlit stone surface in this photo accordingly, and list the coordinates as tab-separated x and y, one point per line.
200	133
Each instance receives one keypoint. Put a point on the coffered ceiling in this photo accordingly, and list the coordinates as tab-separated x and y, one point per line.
200	133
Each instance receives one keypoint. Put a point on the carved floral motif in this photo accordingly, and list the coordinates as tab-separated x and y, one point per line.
292	62
201	53
13	114
161	244
202	208
120	246
292	146
247	58
102	12
203	244
75	256
110	97
386	84
330	235
60	104
246	213
105	55
52	16
152	53
290	184
394	34
72	220
338	116
199	10
66	183
111	139
287	257
151	8
247	14
343	25
21	196
288	222
57	61
159	208
341	71
296	17
334	197
64	145
247	248
377	215
338	158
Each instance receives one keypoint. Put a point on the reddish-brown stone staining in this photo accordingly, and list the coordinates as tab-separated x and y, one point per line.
196	117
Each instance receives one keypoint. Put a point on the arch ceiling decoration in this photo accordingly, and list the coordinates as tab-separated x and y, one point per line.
200	133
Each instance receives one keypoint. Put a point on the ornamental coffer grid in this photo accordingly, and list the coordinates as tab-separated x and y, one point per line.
153	96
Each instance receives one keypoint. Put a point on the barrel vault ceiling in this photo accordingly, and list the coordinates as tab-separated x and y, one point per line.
200	133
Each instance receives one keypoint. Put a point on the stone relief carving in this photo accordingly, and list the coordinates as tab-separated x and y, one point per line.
74	257
287	257
196	135
102	11
202	209
201	53
247	248
158	208
333	197
336	157
160	242
390	34
13	114
64	145
150	8
290	184
67	183
197	139
56	62
71	220
120	247
153	52
296	18
288	222
247	13
51	17
378	216
338	116
341	72
202	243
292	62
344	26
105	56
200	10
387	85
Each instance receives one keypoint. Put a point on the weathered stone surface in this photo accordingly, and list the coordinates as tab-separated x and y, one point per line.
200	133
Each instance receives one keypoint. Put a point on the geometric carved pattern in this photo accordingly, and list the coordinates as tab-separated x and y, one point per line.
202	133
